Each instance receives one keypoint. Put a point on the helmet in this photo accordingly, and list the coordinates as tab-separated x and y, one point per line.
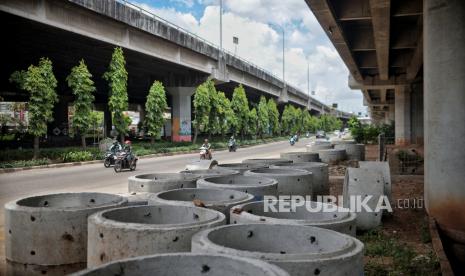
127	142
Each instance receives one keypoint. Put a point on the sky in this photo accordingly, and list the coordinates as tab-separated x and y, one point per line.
258	24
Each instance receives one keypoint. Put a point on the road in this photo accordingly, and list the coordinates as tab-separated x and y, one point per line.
96	178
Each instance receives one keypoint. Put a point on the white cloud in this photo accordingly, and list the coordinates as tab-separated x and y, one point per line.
261	43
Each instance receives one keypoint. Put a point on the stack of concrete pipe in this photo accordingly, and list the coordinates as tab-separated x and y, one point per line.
363	183
242	167
255	185
193	264
144	230
300	250
319	172
47	234
315	147
290	181
309	213
216	199
300	156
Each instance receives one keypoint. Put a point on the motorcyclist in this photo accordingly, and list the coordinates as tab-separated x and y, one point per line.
232	143
128	151
115	147
207	147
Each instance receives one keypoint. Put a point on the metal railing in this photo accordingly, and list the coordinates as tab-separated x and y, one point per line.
402	161
181	29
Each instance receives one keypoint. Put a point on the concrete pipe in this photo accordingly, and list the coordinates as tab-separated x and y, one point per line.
383	168
193	264
353	151
255	185
319	171
342	142
332	156
321	142
368	185
201	165
300	250
315	148
242	167
157	182
209	173
47	234
267	161
309	213
216	199
143	230
301	156
290	182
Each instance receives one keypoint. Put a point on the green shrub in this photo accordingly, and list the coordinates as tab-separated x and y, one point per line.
77	156
24	163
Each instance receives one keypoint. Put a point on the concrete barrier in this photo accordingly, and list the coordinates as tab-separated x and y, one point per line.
143	230
290	181
255	185
47	234
316	147
364	183
193	264
353	151
201	165
211	172
309	213
332	156
301	156
267	161
216	199
383	168
157	182
242	167
300	250
319	171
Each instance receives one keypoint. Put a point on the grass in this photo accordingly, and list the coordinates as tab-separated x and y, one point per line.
23	157
387	256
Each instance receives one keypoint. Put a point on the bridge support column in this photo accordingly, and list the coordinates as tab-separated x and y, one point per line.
59	126
107	121
444	118
181	113
402	116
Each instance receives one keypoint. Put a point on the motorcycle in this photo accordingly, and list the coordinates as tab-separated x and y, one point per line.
292	141
232	146
205	154
123	161
109	159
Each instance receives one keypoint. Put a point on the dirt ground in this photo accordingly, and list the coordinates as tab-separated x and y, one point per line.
402	245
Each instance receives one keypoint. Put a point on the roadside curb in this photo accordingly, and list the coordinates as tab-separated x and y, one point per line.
73	164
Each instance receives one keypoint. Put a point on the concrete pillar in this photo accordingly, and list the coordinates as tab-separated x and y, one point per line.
389	115
402	115
444	117
181	113
59	126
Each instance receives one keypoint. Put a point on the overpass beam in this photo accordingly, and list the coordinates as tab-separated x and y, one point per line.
381	15
402	115
444	117
181	113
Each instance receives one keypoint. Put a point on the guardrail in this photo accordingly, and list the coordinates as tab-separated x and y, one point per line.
181	29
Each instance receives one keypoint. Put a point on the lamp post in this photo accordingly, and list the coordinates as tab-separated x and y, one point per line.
284	45
221	25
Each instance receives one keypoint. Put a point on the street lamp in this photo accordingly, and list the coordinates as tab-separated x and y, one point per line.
236	42
221	25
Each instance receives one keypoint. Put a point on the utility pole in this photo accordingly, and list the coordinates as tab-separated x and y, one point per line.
221	25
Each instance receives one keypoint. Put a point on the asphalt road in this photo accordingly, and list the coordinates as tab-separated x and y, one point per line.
96	178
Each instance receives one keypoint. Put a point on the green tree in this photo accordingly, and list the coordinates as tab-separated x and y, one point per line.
262	117
80	82
117	78
41	83
286	119
213	126
202	109
226	117
273	116
252	119
240	106
297	121
155	106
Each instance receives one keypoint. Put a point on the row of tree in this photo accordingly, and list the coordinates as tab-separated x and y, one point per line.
216	114
40	82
